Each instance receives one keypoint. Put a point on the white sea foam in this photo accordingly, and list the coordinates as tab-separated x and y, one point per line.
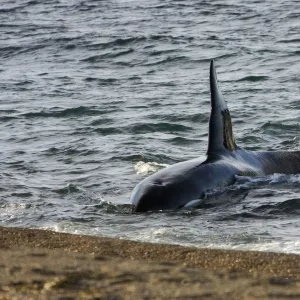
273	246
148	167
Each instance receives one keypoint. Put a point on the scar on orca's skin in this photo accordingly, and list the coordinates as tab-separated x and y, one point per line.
229	142
184	184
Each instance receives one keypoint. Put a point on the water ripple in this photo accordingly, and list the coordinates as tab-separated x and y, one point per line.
90	89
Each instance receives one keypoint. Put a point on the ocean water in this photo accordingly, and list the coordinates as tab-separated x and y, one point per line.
96	95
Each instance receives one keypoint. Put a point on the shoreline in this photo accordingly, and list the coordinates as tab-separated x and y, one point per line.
42	264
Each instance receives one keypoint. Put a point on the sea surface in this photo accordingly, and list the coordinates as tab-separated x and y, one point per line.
96	95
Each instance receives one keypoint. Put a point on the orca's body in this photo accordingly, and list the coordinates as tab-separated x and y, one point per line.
183	184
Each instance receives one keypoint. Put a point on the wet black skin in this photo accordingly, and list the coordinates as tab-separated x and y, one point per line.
181	184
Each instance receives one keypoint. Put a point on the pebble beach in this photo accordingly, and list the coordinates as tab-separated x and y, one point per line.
41	264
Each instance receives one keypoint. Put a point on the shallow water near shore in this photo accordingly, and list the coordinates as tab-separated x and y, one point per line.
96	95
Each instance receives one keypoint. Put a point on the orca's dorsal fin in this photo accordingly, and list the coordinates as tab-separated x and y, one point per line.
220	136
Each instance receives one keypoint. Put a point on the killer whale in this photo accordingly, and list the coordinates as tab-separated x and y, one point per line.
185	183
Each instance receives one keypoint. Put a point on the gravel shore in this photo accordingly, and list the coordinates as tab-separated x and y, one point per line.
40	264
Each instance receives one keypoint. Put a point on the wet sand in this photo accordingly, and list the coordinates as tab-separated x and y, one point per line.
38	264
